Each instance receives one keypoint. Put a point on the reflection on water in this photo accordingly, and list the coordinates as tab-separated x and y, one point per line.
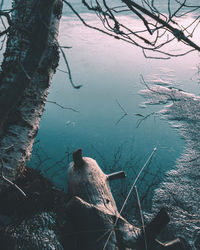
162	6
108	69
114	127
110	72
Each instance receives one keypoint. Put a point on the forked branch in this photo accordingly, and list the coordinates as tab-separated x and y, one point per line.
157	29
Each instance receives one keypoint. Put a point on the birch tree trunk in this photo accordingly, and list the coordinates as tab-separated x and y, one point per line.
29	63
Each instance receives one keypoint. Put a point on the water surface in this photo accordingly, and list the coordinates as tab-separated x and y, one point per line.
110	72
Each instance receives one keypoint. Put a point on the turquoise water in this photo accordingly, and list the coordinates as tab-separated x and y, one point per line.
110	72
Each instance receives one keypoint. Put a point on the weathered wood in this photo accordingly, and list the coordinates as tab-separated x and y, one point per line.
87	181
95	213
92	226
116	175
47	219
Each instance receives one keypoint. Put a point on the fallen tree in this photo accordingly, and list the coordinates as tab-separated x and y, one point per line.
85	218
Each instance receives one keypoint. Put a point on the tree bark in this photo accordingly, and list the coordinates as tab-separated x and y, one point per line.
29	63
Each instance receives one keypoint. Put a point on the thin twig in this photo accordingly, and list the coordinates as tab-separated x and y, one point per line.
68	68
171	96
64	71
130	191
137	177
25	72
66	47
139	121
121	118
141	215
57	104
10	182
159	25
124	111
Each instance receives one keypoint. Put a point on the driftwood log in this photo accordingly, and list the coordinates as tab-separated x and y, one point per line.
95	215
86	218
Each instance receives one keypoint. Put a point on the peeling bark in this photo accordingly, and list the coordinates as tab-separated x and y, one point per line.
30	60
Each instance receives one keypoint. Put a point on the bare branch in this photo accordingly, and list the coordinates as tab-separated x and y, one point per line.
157	25
1	4
139	122
171	96
3	41
124	111
10	182
9	148
6	14
120	119
130	191
64	71
176	32
141	216
68	68
57	104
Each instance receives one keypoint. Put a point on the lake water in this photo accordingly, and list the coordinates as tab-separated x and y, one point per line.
110	72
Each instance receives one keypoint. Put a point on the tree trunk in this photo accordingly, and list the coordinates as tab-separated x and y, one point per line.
29	63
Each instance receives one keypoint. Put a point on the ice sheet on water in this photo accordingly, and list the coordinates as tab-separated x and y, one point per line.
160	81
179	192
166	70
165	77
